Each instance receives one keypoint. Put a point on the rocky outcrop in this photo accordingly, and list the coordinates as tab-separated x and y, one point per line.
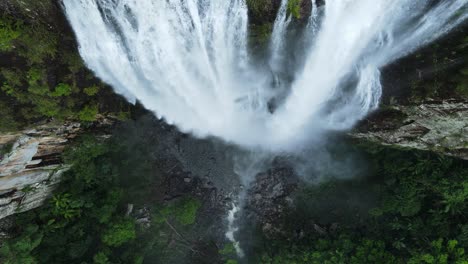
31	165
270	197
439	126
31	170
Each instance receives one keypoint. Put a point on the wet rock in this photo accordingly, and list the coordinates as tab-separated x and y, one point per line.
439	126
269	198
320	230
143	217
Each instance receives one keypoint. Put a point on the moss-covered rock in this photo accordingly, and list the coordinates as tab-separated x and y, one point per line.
262	11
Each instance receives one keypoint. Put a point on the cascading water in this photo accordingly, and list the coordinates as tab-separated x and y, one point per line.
278	37
313	19
188	61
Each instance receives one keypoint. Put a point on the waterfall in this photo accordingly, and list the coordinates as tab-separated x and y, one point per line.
188	62
313	23
278	37
232	228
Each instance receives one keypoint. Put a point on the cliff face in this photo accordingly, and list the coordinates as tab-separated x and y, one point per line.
439	126
32	166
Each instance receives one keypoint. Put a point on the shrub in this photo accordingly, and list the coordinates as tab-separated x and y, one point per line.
88	113
62	89
101	258
9	32
119	233
294	8
184	211
92	90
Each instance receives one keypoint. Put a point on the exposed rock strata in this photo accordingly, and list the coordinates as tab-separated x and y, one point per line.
32	166
31	170
439	126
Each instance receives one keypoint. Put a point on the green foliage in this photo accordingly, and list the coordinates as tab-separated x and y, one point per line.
455	201
64	205
119	233
33	89
258	8
260	35
229	253
423	181
43	75
184	211
101	258
83	212
441	252
9	32
92	90
294	8
123	115
176	219
13	79
88	113
228	249
33	41
7	122
342	250
62	89
417	197
19	250
73	60
38	44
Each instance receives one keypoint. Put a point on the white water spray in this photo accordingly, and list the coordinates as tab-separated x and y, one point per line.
278	38
188	61
233	228
313	20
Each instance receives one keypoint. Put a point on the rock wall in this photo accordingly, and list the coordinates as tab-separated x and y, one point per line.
439	126
33	167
